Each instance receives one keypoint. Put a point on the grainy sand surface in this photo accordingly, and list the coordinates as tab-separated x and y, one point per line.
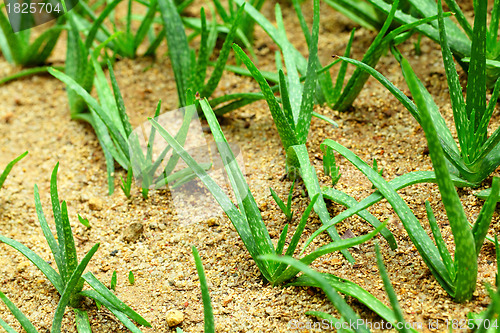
34	116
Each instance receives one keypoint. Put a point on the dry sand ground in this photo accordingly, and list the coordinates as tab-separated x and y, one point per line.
34	116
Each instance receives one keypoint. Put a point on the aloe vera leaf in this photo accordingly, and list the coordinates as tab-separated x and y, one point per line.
214	79
393	298
459	15
178	47
492	35
480	228
485	147
246	201
58	219
69	289
9	329
181	137
444	133
451	150
438	238
357	11
8	41
281	241
296	235
465	254
352	289
285	100
310	179
8	168
324	78
114	132
78	67
122	317
397	183
82	321
97	24
459	43
107	101
101	289
371	57
475	106
49	237
285	131
69	242
273	33
348	201
294	87
343	69
145	24
46	269
198	78
41	48
307	103
21	318
120	105
339	245
207	303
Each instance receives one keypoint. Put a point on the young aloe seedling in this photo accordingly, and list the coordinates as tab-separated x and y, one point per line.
126	185
112	284
126	42
8	168
246	216
207	303
293	112
69	278
191	72
118	141
285	209
336	97
460	40
84	222
17	48
131	278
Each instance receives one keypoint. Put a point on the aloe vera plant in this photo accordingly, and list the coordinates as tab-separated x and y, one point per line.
458	276
190	71
207	303
126	41
17	48
293	116
119	142
244	31
69	279
8	168
478	155
246	216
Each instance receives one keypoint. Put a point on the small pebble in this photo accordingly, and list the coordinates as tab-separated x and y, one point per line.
133	232
212	222
95	203
174	318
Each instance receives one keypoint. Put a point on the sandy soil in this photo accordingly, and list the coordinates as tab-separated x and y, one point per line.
34	116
